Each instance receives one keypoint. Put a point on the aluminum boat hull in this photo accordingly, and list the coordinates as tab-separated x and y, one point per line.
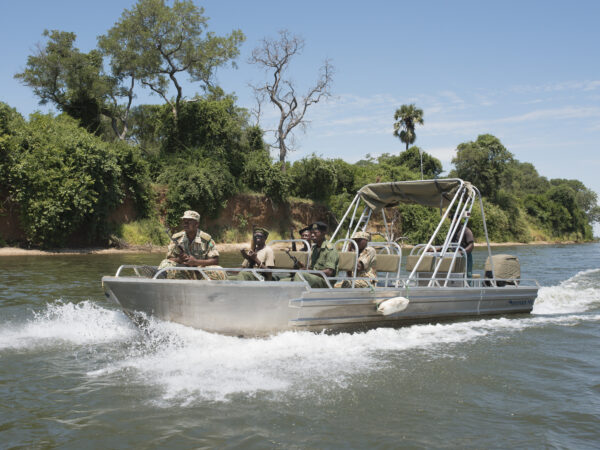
253	308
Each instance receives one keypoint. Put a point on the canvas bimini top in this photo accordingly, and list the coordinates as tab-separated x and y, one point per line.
434	193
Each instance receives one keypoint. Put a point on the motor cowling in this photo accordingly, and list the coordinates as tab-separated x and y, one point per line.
507	269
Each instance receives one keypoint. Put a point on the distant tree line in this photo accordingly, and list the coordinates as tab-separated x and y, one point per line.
68	173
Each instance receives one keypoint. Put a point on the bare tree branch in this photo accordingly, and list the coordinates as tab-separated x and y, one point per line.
275	55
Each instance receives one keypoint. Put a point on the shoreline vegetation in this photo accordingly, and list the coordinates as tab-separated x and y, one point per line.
106	166
16	251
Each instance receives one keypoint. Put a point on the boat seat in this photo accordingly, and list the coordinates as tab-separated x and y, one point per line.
283	261
459	264
347	261
387	263
427	264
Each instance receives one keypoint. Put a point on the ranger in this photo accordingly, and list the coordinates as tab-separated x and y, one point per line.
324	257
192	247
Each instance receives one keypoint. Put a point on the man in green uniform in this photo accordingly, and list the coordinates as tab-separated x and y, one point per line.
192	247
324	257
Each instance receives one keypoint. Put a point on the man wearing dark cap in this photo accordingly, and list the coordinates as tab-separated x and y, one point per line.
305	235
259	256
324	257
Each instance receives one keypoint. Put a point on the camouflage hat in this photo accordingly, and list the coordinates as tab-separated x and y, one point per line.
262	231
191	215
321	226
362	235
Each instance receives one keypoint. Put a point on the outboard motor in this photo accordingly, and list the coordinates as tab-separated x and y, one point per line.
507	270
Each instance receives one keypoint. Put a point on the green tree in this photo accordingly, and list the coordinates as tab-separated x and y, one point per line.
66	180
71	80
406	118
158	44
483	163
261	175
415	159
203	184
313	178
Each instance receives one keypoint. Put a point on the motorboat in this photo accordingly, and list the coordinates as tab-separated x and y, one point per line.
429	284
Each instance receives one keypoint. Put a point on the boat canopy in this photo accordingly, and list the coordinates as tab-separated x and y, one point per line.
434	193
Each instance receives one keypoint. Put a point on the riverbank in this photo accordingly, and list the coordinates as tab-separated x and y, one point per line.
16	251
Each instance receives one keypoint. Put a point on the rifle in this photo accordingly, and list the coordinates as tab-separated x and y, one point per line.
293	258
177	244
252	259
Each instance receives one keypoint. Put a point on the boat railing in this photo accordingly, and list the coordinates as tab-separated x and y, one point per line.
390	248
290	241
378	282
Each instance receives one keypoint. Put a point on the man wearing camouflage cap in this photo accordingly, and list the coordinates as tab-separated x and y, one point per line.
324	257
192	247
366	262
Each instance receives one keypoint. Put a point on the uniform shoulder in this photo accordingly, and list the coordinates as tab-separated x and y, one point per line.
329	246
178	235
204	236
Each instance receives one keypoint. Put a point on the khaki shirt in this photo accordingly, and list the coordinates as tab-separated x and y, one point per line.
367	257
324	257
202	247
265	256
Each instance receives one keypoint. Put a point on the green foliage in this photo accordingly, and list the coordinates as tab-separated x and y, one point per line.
313	177
497	222
523	178
158	43
65	180
144	232
203	185
407	117
261	175
482	163
411	159
10	122
419	222
338	203
345	176
70	79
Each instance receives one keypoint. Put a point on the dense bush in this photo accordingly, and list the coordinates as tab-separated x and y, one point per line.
203	185
419	222
143	232
313	178
261	175
65	179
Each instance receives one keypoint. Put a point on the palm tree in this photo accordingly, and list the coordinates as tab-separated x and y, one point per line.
406	117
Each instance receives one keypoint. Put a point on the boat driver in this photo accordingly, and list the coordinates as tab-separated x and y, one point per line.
324	257
192	247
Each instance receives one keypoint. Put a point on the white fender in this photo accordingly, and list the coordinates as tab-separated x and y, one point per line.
392	305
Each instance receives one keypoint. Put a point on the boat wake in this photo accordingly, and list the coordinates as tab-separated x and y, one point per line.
184	366
62	323
578	294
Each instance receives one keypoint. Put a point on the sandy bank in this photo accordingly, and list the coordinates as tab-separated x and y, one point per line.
15	251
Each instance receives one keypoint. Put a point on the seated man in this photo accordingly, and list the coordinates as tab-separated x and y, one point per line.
258	256
304	234
192	248
324	257
366	262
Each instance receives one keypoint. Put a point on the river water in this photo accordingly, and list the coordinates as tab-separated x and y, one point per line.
74	371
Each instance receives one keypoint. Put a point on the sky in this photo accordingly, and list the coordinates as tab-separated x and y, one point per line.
527	72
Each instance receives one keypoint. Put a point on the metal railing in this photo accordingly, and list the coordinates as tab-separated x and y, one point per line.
398	282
